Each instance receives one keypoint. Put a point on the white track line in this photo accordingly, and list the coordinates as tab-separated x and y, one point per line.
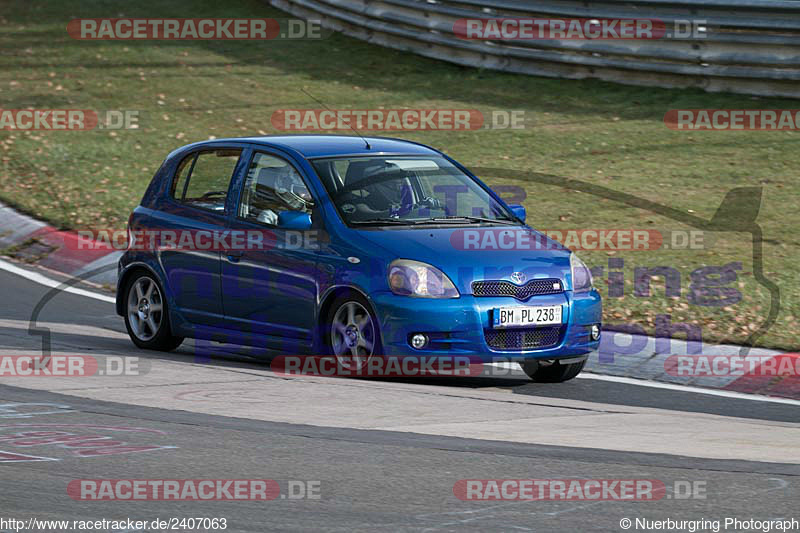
672	386
685	388
48	282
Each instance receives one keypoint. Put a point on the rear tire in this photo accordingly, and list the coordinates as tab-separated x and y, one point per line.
551	373
147	314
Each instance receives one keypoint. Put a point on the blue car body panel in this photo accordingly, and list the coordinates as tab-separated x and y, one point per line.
274	298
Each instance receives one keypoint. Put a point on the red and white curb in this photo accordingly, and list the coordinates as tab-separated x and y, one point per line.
720	367
759	382
60	250
750	386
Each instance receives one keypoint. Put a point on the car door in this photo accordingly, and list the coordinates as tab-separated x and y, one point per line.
270	291
198	206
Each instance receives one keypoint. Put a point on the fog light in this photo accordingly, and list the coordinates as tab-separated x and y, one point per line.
595	332
419	341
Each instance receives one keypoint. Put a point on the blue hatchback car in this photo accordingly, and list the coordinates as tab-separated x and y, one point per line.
349	246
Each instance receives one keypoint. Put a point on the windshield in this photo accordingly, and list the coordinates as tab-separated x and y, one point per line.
407	190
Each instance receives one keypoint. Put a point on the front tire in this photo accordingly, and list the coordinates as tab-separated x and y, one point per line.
147	314
351	331
554	372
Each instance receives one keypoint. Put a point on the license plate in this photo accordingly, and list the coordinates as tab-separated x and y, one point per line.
514	317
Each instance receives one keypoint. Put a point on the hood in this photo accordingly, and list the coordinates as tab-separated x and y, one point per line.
468	254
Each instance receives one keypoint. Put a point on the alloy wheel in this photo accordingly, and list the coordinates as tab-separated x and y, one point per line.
145	308
352	335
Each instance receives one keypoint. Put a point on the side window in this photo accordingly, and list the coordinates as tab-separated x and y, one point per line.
179	184
341	166
203	180
272	185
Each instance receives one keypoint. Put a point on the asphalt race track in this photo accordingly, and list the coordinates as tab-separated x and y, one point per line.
384	455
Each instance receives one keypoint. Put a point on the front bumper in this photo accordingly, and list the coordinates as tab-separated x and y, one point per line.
458	326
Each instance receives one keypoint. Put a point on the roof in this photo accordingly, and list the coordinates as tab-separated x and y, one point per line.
310	146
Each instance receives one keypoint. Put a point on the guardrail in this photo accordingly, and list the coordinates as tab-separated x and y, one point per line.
744	46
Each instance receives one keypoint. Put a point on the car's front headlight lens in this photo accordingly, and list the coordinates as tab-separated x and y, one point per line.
414	278
581	275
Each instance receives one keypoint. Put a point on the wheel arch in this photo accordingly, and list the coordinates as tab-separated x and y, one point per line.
325	306
126	275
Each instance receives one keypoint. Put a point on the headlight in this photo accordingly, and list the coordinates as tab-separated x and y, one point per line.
413	278
581	276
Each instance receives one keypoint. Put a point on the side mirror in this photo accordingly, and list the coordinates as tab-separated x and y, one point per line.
519	211
294	220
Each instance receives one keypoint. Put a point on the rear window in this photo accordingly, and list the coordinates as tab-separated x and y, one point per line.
202	179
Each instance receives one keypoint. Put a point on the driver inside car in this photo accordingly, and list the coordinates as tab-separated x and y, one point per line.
374	191
274	190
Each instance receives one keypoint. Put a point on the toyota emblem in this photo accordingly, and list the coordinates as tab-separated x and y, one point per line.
518	278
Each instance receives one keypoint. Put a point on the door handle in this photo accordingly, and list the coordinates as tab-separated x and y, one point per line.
234	256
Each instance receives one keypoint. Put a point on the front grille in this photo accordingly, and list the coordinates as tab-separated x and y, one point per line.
523	338
534	287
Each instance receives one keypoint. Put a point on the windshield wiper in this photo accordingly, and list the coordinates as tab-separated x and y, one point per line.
381	221
434	220
505	221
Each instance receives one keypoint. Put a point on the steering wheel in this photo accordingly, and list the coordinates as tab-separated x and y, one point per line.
209	194
361	184
292	199
431	202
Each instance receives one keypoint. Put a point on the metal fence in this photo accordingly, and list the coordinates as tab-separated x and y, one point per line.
743	46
